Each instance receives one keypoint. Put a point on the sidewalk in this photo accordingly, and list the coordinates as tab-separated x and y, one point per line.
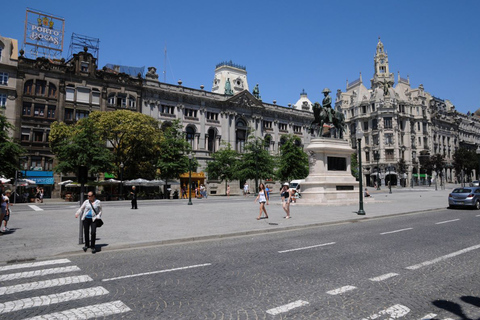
46	234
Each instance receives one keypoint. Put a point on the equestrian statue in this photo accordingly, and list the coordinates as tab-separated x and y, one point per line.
326	115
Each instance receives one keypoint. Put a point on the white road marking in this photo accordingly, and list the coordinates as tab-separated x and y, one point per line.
396	231
89	312
287	307
441	222
429	316
310	247
44	284
34	264
159	271
21	304
43	272
478	215
34	207
341	290
384	277
394	312
451	255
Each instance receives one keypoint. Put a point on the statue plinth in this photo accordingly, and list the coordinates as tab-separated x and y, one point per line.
330	180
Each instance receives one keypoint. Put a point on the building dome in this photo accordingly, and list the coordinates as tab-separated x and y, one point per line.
303	103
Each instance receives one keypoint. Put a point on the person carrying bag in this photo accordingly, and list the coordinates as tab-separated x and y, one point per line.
91	210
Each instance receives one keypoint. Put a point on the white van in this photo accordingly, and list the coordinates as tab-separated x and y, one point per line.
295	183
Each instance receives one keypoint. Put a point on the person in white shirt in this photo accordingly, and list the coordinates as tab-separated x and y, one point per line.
91	211
262	198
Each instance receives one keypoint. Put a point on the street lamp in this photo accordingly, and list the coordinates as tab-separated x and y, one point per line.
389	179
377	157
436	175
190	156
121	179
478	156
359	136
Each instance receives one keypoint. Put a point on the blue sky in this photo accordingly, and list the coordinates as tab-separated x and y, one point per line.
286	46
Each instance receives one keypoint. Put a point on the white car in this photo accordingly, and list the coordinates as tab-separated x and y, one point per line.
295	183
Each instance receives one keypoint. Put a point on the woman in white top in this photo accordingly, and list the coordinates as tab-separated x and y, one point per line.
262	198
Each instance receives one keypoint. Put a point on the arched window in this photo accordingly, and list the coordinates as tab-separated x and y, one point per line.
190	135
28	88
212	135
52	91
241	135
40	87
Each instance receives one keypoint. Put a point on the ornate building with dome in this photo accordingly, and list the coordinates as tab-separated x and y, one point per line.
402	123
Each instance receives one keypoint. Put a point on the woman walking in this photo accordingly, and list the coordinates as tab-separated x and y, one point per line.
91	211
285	194
262	198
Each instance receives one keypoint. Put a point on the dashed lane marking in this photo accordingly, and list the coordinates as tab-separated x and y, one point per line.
429	316
394	312
310	247
341	290
395	231
89	312
451	255
34	207
384	277
442	222
158	271
34	264
43	272
32	302
287	307
44	284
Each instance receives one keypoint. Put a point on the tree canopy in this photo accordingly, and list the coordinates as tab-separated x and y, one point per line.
293	161
10	151
223	165
255	162
79	145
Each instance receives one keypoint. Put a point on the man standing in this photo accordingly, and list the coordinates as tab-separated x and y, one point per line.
134	198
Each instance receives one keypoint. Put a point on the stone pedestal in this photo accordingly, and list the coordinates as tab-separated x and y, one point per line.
330	180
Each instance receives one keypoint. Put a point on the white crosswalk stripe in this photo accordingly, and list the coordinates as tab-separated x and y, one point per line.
44	284
51	299
88	311
33	264
43	272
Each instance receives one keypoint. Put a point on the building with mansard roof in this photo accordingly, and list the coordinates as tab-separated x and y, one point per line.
402	123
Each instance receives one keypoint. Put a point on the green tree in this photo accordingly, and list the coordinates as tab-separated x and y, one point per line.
465	161
79	145
174	149
293	161
401	170
10	151
255	162
134	139
223	164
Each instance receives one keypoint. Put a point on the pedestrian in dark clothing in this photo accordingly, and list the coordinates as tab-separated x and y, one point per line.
134	198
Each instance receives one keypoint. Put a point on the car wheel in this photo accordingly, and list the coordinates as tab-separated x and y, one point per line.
477	205
450	207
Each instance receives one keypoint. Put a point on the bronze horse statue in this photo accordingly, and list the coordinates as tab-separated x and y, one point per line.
322	116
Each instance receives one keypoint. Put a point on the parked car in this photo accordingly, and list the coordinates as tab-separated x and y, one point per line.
465	197
475	183
295	183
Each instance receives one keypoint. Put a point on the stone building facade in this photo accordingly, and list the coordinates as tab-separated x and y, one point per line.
59	90
8	78
212	120
401	122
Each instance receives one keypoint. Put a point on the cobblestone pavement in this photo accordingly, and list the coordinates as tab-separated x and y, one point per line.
417	266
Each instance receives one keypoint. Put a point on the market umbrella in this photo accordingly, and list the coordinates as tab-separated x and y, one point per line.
137	182
4	180
64	182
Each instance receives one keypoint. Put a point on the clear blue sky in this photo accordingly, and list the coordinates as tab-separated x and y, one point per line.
286	46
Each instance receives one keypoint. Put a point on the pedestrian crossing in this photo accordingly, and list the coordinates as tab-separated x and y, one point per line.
67	293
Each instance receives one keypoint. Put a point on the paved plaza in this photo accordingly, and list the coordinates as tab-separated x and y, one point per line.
50	229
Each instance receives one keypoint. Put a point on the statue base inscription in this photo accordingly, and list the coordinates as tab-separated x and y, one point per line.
330	181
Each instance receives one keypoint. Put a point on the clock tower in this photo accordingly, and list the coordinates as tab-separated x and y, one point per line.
382	73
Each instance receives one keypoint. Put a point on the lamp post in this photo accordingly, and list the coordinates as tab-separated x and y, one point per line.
359	136
190	156
478	157
389	179
436	175
377	157
121	179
